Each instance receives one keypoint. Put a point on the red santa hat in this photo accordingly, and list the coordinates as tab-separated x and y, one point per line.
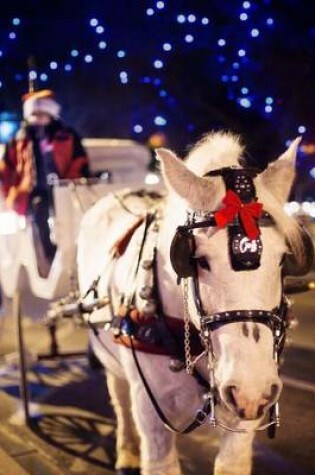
40	101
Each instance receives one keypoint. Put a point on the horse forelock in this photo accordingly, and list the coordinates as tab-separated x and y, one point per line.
215	150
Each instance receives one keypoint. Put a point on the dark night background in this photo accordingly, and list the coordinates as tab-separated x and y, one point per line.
199	93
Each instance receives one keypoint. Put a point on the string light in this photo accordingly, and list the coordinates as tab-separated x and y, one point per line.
245	102
167	47
181	18
159	120
254	33
158	64
189	38
191	18
236	59
138	129
33	75
99	29
123	77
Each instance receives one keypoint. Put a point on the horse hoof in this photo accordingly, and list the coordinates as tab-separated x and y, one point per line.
128	471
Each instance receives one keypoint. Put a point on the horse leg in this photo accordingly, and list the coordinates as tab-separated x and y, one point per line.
127	438
158	449
235	454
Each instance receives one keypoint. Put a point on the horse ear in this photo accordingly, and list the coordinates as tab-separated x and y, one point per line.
279	175
197	191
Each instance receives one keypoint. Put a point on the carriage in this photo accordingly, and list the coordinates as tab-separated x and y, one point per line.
115	164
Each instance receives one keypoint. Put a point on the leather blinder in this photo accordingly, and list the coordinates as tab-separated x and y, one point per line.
181	254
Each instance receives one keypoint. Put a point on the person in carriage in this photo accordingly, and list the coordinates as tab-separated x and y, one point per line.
43	151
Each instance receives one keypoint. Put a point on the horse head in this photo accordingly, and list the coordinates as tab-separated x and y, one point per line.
236	266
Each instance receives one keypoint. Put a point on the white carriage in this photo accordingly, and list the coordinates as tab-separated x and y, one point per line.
118	164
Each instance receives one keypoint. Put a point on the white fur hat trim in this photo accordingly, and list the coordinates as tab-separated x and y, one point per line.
45	104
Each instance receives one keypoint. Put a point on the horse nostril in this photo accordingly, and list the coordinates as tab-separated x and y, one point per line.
241	414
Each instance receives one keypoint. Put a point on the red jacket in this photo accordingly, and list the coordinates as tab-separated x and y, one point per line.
17	167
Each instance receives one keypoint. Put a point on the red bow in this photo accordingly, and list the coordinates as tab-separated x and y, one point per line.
247	213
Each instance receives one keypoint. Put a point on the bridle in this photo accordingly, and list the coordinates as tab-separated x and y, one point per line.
274	319
240	182
248	258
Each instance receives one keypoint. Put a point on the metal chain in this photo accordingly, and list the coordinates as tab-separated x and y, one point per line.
189	364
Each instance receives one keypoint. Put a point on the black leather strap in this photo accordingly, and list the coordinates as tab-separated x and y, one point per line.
215	321
200	416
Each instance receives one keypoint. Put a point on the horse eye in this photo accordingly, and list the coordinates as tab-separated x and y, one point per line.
203	263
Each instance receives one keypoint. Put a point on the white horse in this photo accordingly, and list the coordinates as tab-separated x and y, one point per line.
245	371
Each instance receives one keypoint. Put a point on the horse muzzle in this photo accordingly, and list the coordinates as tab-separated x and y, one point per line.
249	406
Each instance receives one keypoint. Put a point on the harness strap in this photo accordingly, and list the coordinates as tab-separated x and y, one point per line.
200	416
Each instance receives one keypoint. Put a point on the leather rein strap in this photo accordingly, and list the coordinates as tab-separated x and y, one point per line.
201	415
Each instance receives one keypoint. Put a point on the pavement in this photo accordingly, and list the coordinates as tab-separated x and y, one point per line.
72	426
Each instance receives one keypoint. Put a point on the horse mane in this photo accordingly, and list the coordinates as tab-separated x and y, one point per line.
223	149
